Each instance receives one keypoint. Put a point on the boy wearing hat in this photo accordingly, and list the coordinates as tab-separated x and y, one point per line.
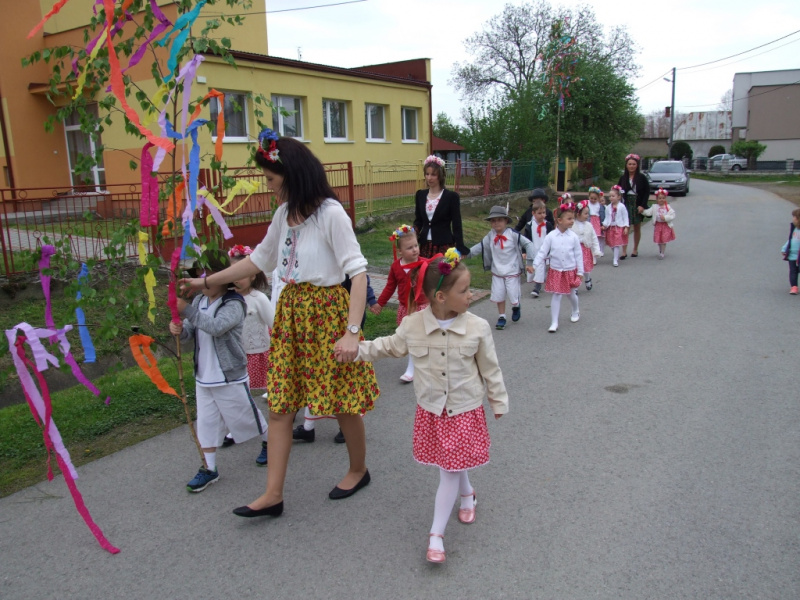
502	251
527	216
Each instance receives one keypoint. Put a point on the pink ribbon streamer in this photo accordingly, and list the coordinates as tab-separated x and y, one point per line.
172	294
216	215
44	263
41	408
148	213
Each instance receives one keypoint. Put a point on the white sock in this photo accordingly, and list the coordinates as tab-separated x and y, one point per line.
602	242
465	490
409	367
555	308
573	300
501	316
445	499
308	424
616	253
211	460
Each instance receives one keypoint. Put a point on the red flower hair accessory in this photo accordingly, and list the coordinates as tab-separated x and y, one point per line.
617	188
401	231
635	157
581	205
567	207
268	145
661	192
567	197
239	251
434	159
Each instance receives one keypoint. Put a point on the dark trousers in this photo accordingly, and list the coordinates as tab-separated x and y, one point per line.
793	273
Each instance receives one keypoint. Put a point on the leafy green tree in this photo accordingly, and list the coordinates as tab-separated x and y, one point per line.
717	149
445	129
681	149
749	149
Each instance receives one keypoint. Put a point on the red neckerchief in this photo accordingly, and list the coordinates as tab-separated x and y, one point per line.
539	228
501	239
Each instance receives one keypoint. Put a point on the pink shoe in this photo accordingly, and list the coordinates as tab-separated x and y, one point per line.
793	291
435	556
467	515
406	378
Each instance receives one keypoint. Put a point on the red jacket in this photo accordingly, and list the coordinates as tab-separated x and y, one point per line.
398	280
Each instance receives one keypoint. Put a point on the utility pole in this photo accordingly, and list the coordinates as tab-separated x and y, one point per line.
672	117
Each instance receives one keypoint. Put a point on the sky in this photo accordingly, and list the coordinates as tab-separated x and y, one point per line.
680	33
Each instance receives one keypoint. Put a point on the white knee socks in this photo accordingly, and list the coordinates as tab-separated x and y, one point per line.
450	486
616	254
555	308
308	424
573	300
410	367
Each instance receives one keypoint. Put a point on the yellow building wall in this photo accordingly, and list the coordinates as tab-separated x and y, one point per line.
251	36
74	14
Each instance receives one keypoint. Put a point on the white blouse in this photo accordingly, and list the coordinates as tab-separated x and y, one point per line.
257	323
616	216
564	252
594	209
319	251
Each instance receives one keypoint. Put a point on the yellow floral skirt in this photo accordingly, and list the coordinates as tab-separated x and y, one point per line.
302	369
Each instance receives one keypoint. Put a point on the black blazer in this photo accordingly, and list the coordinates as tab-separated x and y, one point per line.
445	226
642	188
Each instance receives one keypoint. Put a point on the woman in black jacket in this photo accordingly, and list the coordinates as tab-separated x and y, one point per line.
437	216
636	190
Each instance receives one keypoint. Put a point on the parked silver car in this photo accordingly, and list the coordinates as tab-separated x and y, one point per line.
670	175
726	162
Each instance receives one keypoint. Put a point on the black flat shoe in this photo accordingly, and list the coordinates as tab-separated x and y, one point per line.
623	257
634	254
338	493
276	510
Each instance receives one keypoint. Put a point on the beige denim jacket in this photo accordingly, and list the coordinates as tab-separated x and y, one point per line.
453	369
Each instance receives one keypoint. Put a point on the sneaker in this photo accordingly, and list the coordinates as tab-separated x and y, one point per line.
575	317
339	438
516	313
228	441
588	285
202	480
535	294
261	461
300	433
793	291
501	323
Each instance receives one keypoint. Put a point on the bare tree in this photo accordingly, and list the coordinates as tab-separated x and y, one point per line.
726	102
505	53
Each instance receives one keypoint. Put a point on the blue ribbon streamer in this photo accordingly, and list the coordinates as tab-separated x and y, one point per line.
183	24
89	354
194	176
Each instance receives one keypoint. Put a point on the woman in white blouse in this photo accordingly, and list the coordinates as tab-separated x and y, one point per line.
312	244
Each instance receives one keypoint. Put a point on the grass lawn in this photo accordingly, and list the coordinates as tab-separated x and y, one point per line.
783	179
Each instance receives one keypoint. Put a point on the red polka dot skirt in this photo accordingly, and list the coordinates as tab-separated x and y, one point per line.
588	259
257	366
663	233
402	311
615	237
595	221
558	282
452	443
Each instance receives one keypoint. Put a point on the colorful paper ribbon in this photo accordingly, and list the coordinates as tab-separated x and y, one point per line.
140	348
183	26
148	212
172	294
89	354
53	11
163	24
149	278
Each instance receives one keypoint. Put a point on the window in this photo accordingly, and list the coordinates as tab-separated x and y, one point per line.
235	116
80	148
410	124
375	117
291	126
334	119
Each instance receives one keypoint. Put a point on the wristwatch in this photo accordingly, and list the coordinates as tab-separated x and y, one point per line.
353	329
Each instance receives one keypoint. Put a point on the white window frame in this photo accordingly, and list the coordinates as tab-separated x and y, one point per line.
326	125
368	122
233	139
416	111
99	186
276	98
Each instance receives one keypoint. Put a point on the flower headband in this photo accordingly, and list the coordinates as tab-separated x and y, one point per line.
661	191
595	190
434	159
635	157
267	145
617	188
238	251
401	231
449	262
581	205
567	207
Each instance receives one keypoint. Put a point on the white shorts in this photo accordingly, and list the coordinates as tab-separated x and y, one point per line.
505	288
227	408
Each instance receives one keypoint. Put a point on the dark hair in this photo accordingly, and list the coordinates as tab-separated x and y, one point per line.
305	185
558	212
796	213
436	169
213	261
638	165
260	279
538	193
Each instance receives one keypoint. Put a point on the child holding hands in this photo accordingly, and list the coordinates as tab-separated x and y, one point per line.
663	215
450	429
616	223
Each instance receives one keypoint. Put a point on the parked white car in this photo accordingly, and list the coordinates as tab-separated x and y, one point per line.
726	162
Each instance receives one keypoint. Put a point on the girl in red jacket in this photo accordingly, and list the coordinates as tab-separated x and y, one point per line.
406	258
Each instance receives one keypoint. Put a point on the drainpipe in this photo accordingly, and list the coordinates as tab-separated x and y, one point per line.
6	148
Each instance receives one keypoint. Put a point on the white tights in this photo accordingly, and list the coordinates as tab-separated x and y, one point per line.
555	305
616	253
451	485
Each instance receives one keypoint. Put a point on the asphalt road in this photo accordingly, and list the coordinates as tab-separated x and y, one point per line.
651	451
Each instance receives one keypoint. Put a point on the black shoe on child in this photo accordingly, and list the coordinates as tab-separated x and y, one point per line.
300	433
339	439
228	442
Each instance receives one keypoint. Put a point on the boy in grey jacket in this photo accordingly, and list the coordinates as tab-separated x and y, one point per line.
214	321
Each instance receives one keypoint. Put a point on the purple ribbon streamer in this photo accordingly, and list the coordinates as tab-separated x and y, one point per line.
164	23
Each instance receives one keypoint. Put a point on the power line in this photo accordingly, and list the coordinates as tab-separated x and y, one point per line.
746	58
654	80
739	53
272	12
745	97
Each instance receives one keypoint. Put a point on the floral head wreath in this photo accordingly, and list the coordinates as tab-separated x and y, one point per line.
635	157
401	231
581	205
238	251
661	191
617	188
567	207
449	262
567	197
595	190
267	145
434	159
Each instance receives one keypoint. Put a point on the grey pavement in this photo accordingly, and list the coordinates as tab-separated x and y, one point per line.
651	451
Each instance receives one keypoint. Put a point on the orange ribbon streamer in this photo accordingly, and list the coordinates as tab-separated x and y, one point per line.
176	199
56	7
220	119
118	86
140	347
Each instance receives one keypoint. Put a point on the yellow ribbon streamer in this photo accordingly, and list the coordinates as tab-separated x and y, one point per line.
149	278
82	76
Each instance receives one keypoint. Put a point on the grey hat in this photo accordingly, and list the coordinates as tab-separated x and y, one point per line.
537	193
497	212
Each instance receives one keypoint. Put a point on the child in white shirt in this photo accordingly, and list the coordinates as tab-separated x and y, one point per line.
590	247
563	248
616	223
663	215
539	228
